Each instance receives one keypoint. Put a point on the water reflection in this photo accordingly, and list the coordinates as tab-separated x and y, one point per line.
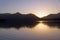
18	25
42	26
52	24
38	31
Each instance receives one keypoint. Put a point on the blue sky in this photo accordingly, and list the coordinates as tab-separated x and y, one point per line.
29	6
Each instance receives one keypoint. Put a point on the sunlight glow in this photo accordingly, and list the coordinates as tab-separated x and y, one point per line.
42	14
41	26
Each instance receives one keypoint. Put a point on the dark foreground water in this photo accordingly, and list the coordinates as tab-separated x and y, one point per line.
40	31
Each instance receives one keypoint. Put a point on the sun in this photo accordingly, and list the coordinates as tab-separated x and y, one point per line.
41	14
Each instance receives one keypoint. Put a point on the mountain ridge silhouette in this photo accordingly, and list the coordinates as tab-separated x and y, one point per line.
52	16
18	18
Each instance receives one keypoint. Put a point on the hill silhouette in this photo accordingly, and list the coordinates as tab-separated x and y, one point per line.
52	16
18	18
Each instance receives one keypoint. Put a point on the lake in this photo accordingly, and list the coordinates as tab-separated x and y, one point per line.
40	31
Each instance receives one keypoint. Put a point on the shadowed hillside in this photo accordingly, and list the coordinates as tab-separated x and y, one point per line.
18	18
52	16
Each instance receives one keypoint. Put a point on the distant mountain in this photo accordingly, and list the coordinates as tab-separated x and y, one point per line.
18	18
52	16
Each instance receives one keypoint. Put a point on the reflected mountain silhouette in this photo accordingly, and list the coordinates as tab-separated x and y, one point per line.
52	24
18	25
18	18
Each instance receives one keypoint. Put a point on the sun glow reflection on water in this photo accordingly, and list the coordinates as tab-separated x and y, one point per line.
39	32
41	26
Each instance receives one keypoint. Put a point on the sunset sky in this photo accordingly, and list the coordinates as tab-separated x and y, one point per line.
38	7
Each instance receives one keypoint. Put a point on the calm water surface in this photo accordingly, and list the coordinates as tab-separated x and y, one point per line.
42	31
